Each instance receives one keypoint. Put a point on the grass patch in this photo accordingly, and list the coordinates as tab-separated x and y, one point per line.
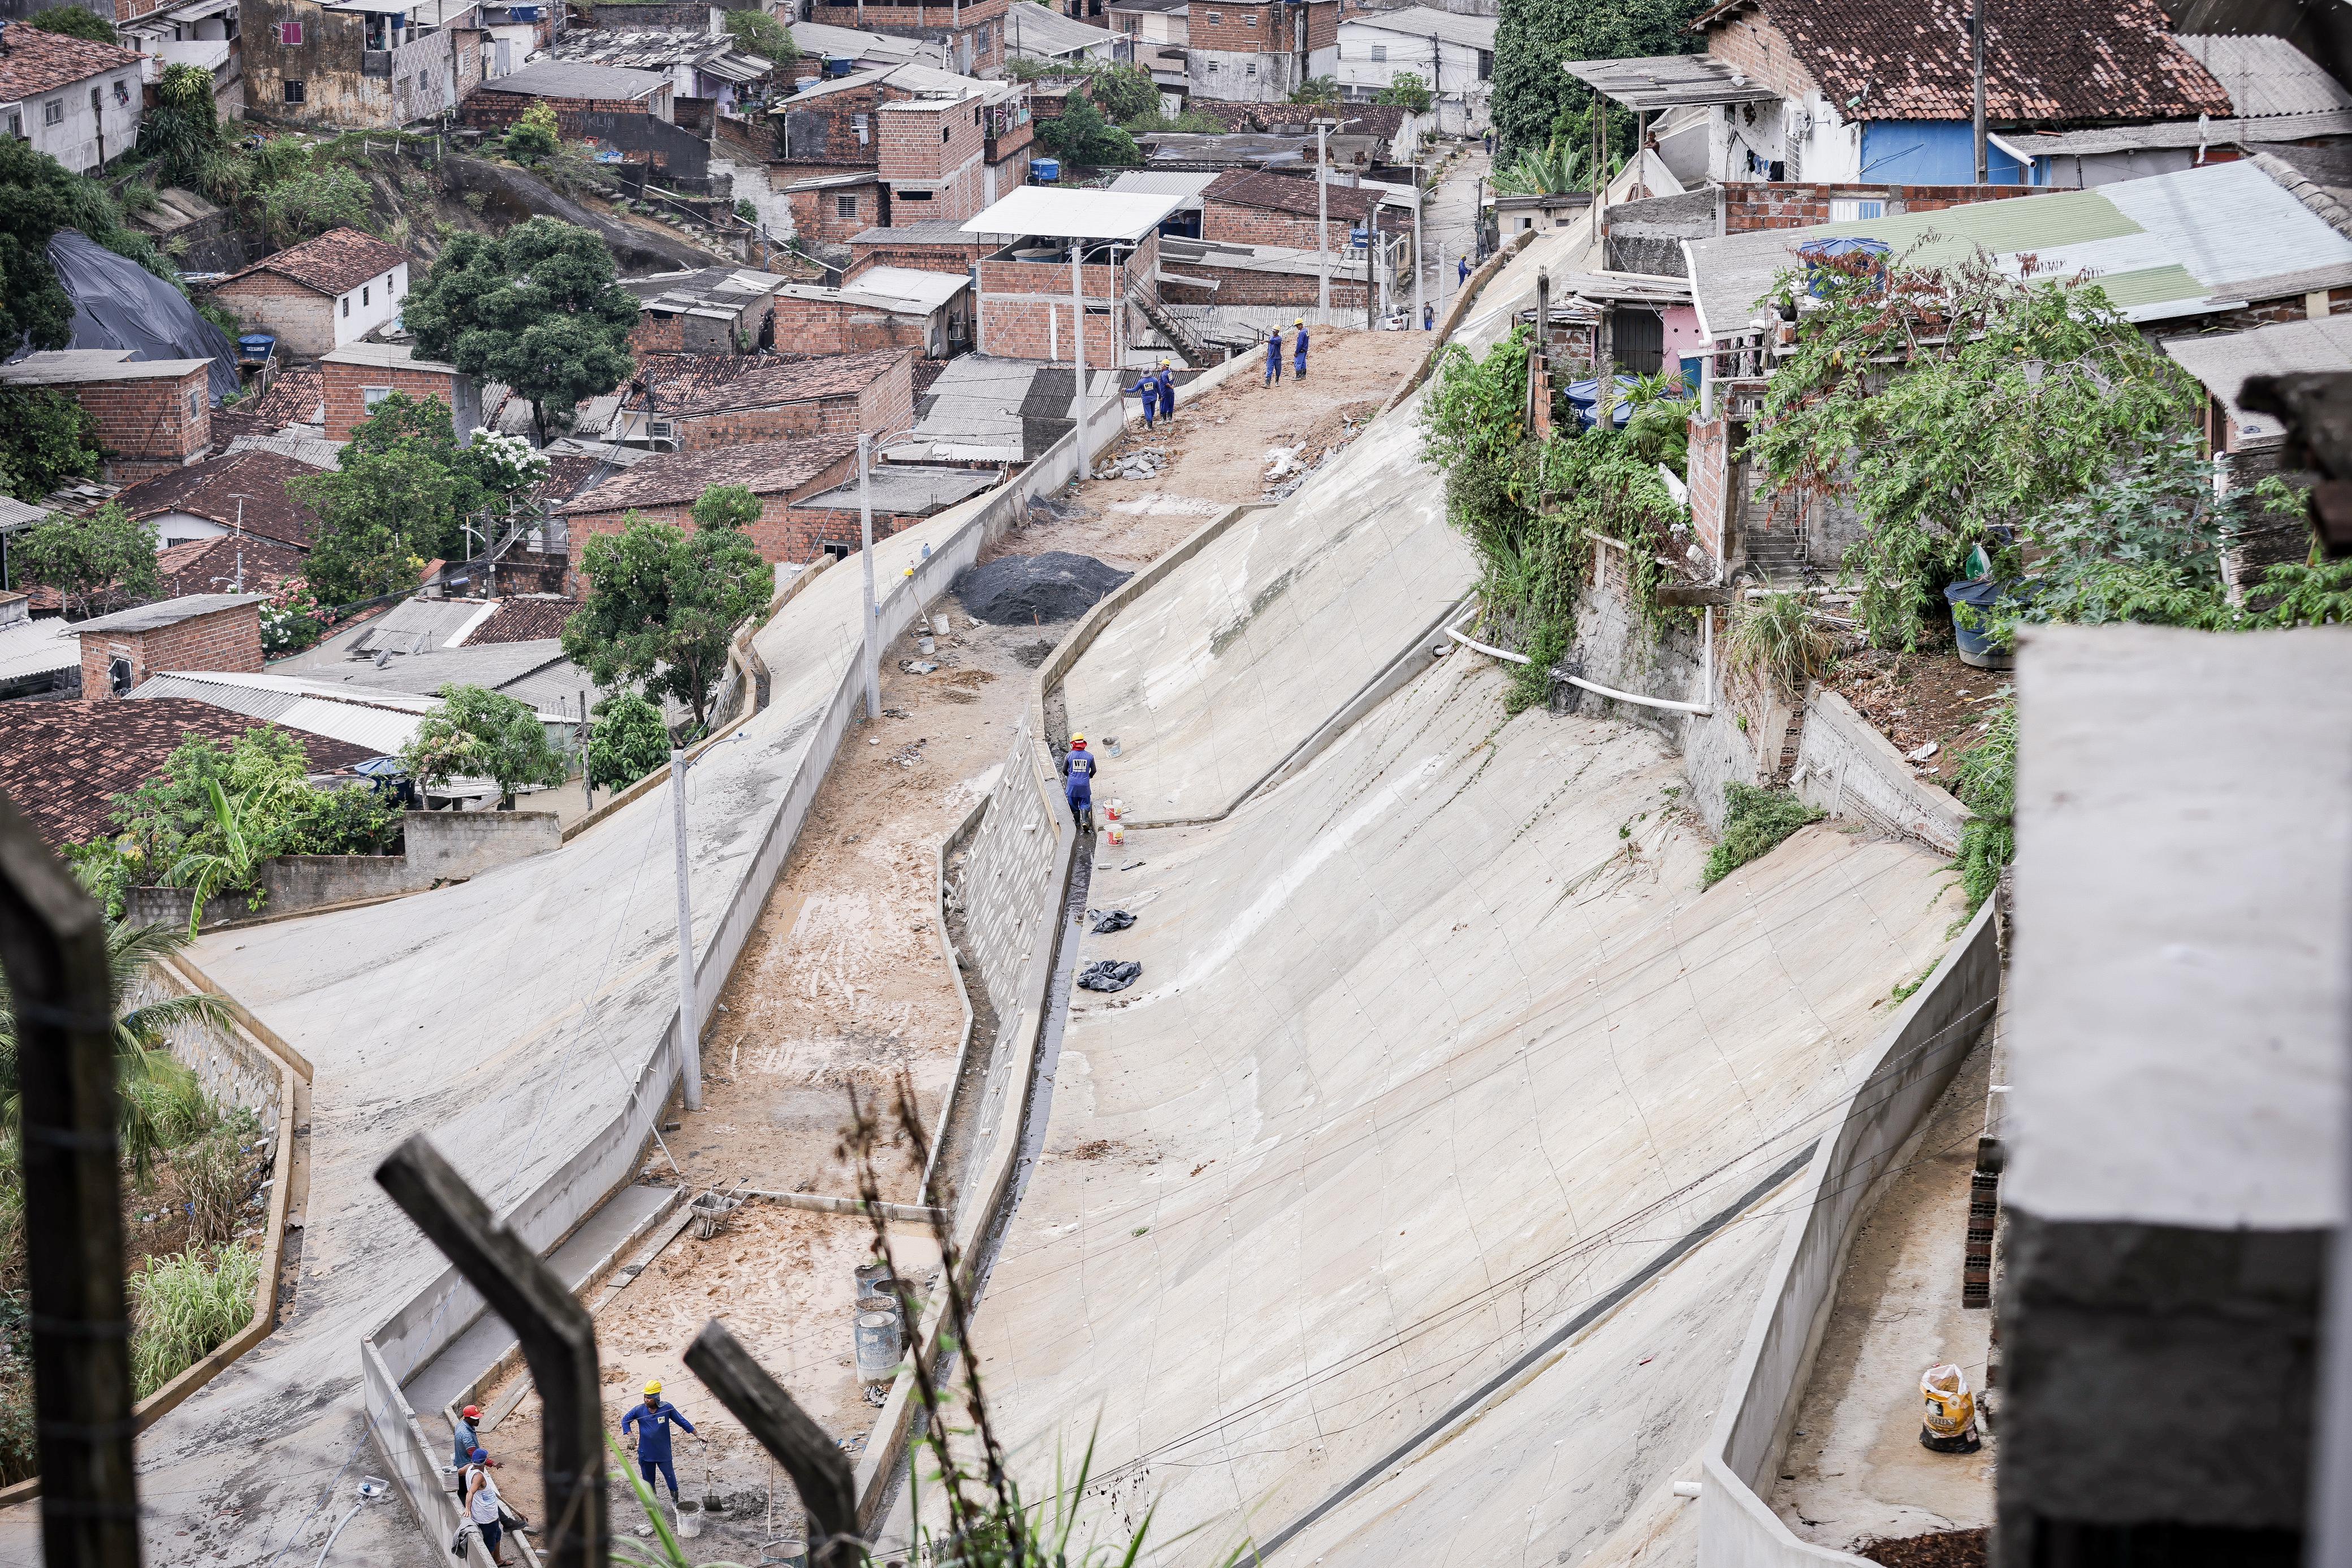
184	1308
1754	820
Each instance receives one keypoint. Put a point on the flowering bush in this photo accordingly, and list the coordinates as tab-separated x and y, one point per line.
508	462
290	619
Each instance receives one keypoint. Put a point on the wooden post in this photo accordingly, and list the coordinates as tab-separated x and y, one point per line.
53	948
827	1486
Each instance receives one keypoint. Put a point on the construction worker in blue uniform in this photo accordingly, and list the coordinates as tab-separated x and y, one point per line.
1274	356
1167	384
1301	361
1148	389
652	1420
1078	781
1461	270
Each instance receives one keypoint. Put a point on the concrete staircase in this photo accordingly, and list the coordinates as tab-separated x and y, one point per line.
1196	354
1780	556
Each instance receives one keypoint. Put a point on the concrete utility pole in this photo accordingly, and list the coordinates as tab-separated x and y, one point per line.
241	499
1977	47
1419	266
866	537
1322	232
1079	345
689	1020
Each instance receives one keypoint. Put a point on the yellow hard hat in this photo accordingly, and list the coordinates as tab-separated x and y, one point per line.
1075	739
1301	321
652	1388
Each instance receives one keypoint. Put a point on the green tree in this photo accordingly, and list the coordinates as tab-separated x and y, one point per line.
382	515
108	555
727	506
627	742
309	203
1124	92
536	136
481	734
662	604
1532	94
1406	89
1559	164
182	133
1081	135
758	33
46	439
74	22
535	307
1317	89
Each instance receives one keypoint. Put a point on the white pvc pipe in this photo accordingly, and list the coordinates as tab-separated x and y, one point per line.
1706	670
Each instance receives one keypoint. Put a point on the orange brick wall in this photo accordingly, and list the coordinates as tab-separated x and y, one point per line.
773	533
1256	225
227	639
807	529
1323	24
683	334
1236	286
884	405
1709	470
304	320
1019	298
980	21
149	426
939	148
830	327
1750	44
1749	207
346	388
1242	29
816	214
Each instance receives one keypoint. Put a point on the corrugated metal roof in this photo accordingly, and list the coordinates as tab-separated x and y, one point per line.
1420	22
1073	214
35	648
2176	133
1041	33
167	612
2265	75
379	729
2223	360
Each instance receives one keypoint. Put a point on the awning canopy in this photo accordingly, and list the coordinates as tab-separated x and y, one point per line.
1074	214
1668	82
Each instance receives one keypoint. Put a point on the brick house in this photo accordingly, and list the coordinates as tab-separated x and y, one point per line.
1212	272
339	65
202	632
705	402
930	155
1025	287
243	492
714	310
827	209
901	495
154	415
972	30
62	763
357	378
664	488
319	295
1279	209
76	99
905	144
633	112
1259	53
882	307
928	246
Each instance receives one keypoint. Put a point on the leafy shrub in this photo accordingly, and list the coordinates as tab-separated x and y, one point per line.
311	203
758	33
1776	637
1986	782
535	136
627	742
480	734
1407	90
74	22
1754	821
184	1308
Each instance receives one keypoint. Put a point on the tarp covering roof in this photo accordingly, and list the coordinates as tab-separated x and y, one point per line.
119	304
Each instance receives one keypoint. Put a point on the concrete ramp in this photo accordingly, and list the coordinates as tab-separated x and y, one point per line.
1407	1204
1214	678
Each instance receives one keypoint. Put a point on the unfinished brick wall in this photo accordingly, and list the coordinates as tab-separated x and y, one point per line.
1236	287
818	216
930	155
1024	305
1787	205
488	108
682	334
2258	313
1262	226
1709	474
774	534
1322	24
1749	44
303	318
1244	29
227	640
346	387
835	327
928	257
832	133
148	425
884	405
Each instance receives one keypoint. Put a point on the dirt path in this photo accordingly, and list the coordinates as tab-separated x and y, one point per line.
843	982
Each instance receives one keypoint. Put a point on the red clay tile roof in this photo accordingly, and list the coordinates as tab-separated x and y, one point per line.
690	384
926	373
679	479
211	565
2100	61
209	490
295	397
37	62
1381	120
524	621
62	762
336	260
1289	194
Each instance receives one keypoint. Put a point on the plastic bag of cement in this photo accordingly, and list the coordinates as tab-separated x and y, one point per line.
1948	1417
1109	975
1110	920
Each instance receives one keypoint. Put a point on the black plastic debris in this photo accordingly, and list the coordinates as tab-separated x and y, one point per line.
1109	975
1110	920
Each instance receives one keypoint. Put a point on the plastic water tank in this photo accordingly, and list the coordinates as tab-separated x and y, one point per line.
1046	170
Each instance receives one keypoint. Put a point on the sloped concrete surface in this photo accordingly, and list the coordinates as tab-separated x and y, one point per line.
1436	1046
506	1016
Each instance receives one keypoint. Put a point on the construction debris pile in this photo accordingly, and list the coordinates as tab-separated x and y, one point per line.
1035	589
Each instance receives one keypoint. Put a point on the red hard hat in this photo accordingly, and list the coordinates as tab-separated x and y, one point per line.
471	1412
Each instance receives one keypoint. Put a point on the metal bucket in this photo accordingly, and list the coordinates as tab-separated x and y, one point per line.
877	1346
783	1552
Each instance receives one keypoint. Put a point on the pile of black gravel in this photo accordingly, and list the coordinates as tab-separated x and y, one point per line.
1031	590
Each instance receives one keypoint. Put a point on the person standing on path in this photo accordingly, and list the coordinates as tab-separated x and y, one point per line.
1461	270
1167	384
482	1504
652	1420
1301	362
468	1438
1148	389
1078	781
1429	318
1274	356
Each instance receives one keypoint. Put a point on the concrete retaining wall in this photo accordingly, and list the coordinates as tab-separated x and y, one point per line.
1849	769
1915	1061
422	1327
1003	887
234	1068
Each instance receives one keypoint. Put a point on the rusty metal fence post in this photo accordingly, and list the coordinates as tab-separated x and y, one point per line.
53	949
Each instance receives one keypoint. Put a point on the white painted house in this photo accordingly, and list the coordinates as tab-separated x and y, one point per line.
1453	54
75	99
321	294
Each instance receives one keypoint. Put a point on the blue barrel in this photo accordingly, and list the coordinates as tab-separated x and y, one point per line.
1046	170
1979	595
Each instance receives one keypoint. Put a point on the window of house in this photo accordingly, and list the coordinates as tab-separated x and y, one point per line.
347	304
1216	18
1848	211
93	101
371	396
292	91
858	123
123	89
1380	53
1249	71
837	550
195	403
16	126
54	112
1213	67
845	206
943	136
290	35
1485	65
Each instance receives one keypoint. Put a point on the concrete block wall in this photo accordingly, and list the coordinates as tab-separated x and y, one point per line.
227	639
165	420
1847	768
232	1067
1003	887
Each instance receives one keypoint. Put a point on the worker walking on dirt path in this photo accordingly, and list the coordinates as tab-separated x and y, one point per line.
1148	389
1167	384
1300	363
1274	356
1078	781
652	1420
